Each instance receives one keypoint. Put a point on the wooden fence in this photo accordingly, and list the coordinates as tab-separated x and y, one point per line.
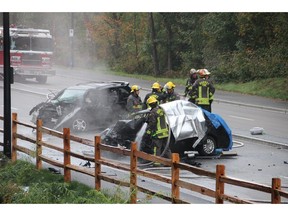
176	183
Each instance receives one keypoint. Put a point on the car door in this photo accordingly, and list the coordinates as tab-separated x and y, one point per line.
96	106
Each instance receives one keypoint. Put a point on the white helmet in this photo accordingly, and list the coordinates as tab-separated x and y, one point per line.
193	71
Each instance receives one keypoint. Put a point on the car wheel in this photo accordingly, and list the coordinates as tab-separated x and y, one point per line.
79	125
208	147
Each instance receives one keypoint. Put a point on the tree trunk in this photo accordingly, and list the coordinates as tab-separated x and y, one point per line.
135	39
154	45
169	41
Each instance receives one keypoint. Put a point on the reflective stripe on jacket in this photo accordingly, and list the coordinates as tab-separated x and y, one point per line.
157	126
162	129
134	103
202	92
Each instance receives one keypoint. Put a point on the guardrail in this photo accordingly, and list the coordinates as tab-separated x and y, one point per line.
176	183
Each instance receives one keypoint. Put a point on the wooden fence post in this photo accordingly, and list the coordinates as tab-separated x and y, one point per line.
133	174
97	163
220	171
38	143
275	197
14	138
175	173
67	157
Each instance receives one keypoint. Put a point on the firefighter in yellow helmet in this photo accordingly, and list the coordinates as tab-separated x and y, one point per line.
134	101
202	92
170	94
157	131
156	92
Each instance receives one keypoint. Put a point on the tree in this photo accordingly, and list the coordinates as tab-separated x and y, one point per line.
154	45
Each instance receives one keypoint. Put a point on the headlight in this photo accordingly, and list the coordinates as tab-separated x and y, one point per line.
15	58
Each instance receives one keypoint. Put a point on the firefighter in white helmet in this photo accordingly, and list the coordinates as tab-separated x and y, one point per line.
193	76
202	92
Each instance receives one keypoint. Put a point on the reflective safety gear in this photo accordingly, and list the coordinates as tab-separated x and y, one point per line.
156	85
202	93
135	88
170	85
162	128
134	103
193	71
151	100
172	96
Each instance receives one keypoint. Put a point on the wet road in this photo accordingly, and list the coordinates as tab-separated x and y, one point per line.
254	161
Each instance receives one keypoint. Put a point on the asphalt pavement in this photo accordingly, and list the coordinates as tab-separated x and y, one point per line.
252	100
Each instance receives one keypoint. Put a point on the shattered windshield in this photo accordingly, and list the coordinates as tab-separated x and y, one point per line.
71	96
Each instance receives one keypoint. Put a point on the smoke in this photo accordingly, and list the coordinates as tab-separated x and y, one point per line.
96	109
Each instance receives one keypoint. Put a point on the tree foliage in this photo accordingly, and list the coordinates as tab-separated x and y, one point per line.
233	46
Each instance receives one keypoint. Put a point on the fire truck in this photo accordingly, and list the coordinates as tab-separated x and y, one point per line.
31	52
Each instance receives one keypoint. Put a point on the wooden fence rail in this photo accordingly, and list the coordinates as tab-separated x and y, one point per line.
132	168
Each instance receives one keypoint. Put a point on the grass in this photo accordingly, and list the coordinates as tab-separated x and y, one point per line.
275	88
22	183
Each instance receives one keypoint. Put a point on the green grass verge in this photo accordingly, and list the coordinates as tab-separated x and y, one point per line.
22	183
275	88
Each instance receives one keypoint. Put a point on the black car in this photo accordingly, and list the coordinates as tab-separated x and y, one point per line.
84	106
191	129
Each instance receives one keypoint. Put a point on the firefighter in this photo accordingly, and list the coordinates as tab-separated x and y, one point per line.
157	130
156	92
171	95
202	91
190	81
134	101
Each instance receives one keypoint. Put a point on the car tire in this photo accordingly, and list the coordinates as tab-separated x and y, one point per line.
79	125
208	147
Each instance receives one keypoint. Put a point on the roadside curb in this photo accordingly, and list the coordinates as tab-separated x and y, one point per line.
252	105
261	141
243	104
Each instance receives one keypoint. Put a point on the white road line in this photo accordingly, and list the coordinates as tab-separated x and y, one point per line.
12	108
238	117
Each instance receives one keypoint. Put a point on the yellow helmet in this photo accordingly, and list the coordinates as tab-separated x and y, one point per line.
135	88
156	85
170	85
151	100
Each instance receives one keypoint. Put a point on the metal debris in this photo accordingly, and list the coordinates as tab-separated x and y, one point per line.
256	131
53	170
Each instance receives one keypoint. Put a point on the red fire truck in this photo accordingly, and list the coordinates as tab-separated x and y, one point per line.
31	53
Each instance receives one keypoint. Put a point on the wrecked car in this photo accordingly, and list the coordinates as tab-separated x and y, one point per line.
191	129
84	106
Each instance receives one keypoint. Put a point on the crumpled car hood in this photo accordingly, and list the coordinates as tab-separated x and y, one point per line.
185	120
